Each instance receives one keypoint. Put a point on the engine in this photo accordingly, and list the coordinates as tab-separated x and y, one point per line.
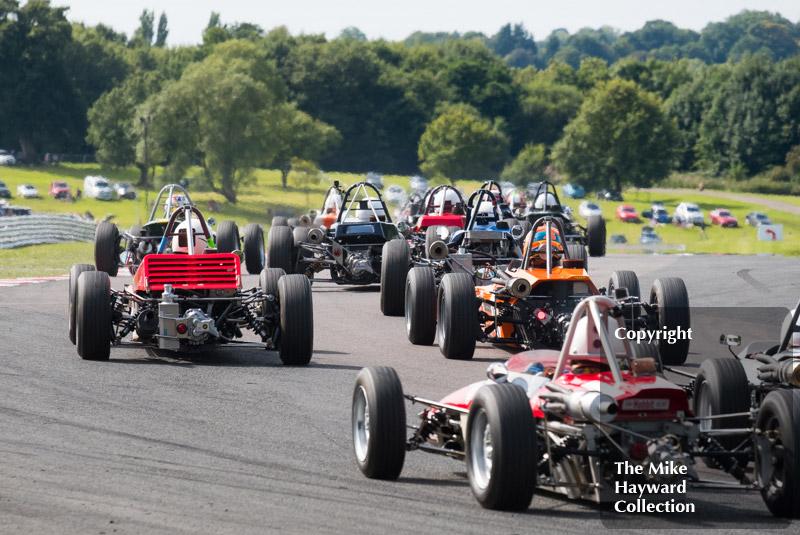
359	266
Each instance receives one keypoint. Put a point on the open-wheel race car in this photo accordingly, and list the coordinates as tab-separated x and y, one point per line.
564	421
190	298
529	302
546	203
113	250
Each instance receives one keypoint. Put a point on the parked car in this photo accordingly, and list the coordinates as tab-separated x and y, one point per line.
757	218
59	189
627	214
123	190
27	191
609	195
97	187
376	179
418	184
723	218
573	191
588	208
4	191
396	194
688	213
6	158
649	235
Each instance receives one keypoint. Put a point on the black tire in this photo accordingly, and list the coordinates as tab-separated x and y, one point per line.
577	251
721	387
297	320
280	243
93	316
395	263
299	235
106	248
777	438
430	237
268	280
506	411
457	316
227	237
624	279
381	452
254	248
293	222
420	301
673	311
74	273
279	221
596	235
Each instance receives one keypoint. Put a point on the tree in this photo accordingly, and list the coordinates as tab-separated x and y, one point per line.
462	145
303	175
145	29
620	137
351	32
304	138
529	165
162	32
546	107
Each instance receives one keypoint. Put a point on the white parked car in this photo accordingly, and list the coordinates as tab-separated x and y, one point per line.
588	208
6	158
688	213
27	191
395	194
418	184
97	187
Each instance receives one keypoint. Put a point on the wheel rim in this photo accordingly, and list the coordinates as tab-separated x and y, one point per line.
771	473
704	406
361	424
481	449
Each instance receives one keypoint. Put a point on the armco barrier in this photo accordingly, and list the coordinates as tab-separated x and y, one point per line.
20	231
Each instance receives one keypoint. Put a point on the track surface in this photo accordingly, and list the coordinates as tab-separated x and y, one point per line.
234	442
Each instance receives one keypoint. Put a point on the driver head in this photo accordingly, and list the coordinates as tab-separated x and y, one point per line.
180	242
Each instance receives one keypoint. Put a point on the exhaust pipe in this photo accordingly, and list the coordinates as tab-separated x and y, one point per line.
518	287
315	235
305	220
592	406
437	250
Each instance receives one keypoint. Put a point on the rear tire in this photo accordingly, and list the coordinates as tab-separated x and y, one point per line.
420	301
106	248
457	316
501	448
279	249
279	221
379	423
297	320
293	222
93	316
624	279
254	248
673	311
395	263
227	237
596	235
74	273
577	251
431	237
777	441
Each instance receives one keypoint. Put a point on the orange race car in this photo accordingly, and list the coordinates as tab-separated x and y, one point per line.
530	302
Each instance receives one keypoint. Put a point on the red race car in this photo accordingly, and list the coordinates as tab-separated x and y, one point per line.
627	214
723	218
564	421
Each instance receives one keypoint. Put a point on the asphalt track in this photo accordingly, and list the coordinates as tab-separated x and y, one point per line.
234	442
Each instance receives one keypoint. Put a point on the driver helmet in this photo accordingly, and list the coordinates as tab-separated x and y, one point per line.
180	243
446	198
173	203
368	207
545	201
515	199
586	341
537	240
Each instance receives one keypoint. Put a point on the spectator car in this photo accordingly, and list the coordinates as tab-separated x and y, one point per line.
418	184
376	179
757	218
97	187
59	189
723	218
123	190
627	214
396	194
4	191
573	191
649	235
588	208
27	191
6	158
688	213
609	195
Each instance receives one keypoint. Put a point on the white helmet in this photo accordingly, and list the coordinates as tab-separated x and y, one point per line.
545	201
586	342
365	211
180	243
444	200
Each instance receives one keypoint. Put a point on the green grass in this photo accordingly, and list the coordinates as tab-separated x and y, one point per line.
44	260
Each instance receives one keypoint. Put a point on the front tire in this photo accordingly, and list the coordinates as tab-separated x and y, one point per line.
624	279
254	248
458	316
93	316
379	423
777	437
577	251
297	320
268	279
501	448
74	273
596	235
395	261
106	248
227	237
672	299
420	301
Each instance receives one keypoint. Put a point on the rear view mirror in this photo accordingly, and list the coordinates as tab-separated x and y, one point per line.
517	231
211	221
730	340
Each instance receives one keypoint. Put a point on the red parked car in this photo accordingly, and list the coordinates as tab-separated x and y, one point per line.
723	218
627	214
59	189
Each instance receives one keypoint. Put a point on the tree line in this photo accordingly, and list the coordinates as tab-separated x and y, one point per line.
453	106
